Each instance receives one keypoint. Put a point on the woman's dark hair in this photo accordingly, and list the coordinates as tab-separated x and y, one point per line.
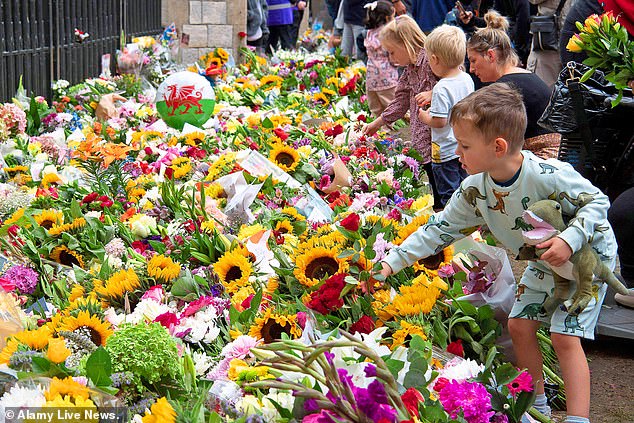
377	16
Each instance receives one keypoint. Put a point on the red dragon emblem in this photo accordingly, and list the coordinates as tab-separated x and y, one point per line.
186	95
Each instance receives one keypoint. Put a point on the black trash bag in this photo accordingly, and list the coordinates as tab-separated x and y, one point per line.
598	93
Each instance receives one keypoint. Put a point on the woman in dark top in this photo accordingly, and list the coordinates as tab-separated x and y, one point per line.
493	59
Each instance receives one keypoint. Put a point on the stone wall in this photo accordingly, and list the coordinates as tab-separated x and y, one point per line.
208	23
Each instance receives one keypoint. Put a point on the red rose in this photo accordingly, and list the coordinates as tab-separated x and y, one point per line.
90	197
363	325
351	222
167	319
242	34
411	398
456	348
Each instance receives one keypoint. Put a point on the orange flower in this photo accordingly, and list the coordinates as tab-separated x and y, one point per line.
128	214
57	351
88	149
111	152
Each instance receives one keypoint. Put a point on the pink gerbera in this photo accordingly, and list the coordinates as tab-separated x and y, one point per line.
522	383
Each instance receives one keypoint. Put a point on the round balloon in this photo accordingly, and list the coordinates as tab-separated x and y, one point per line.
185	97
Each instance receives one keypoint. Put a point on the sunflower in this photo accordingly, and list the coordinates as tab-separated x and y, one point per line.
430	279
36	339
16	169
49	218
293	213
317	264
271	326
215	190
64	255
268	82
118	284
8	350
279	120
195	138
181	166
383	222
412	301
17	215
410	228
432	263
284	227
405	333
64	387
234	270
287	158
382	298
321	98
76	224
141	138
163	268
92	326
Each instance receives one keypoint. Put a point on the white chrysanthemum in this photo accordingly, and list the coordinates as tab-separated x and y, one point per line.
146	311
22	397
202	363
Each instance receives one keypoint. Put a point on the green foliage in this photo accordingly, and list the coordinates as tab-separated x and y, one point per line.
147	351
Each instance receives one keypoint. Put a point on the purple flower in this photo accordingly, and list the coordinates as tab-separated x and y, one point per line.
469	398
24	278
370	370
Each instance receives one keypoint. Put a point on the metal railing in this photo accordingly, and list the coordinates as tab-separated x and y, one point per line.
38	43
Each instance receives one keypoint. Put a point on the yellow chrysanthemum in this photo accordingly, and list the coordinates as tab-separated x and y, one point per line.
280	120
75	225
410	228
253	120
49	218
286	157
66	387
271	326
64	255
317	264
98	330
241	295
247	232
412	301
118	284
406	331
160	412
215	190
163	268
233	270
423	203
293	213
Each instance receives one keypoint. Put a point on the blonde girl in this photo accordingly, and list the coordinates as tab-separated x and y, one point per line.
405	43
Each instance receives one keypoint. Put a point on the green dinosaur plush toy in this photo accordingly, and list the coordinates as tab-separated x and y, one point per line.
546	221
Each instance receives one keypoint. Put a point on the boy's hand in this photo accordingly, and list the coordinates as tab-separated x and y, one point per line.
423	99
371	128
368	287
558	251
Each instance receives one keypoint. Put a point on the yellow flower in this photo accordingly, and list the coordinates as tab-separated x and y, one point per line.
35	339
410	228
279	120
163	268
48	218
8	350
253	120
67	257
181	166
271	326
50	178
222	54
575	44
98	330
432	263
160	412
17	215
233	270
195	138
320	98
591	25
118	285
76	224
57	351
318	263
241	295
406	332
412	301
292	212
64	387
268	82
287	158
423	203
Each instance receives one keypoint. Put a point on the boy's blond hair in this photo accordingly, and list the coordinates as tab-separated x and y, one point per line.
448	44
403	30
497	111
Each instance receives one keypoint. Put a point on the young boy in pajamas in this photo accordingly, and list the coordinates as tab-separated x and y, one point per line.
504	181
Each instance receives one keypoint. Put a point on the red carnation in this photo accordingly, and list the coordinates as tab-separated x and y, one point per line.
167	319
411	398
456	348
279	132
441	382
90	197
363	325
351	222
327	297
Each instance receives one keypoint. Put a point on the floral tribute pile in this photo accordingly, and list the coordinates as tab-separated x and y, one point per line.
224	273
